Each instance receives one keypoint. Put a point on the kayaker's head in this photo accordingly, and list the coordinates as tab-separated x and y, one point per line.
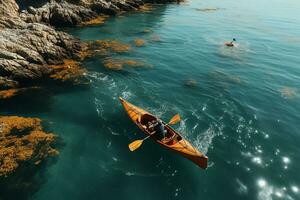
233	39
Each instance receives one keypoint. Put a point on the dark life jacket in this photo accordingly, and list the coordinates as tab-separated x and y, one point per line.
160	131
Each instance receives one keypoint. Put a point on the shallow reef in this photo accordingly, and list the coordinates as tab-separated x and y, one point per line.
23	141
70	70
222	76
96	21
9	93
155	38
190	83
288	92
119	64
6	94
111	45
139	42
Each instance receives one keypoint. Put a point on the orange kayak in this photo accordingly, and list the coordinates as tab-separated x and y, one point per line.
177	143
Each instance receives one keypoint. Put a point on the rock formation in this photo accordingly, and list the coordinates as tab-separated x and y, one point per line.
26	49
29	43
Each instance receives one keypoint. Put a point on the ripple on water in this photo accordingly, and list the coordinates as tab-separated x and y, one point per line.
238	52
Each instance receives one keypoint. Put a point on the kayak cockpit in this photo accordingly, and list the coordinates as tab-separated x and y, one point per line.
171	136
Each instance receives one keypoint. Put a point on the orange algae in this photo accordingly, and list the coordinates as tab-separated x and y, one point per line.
139	42
9	93
288	92
23	140
6	94
113	45
85	53
68	71
118	64
96	21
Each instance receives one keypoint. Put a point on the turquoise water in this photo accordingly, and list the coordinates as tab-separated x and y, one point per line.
240	106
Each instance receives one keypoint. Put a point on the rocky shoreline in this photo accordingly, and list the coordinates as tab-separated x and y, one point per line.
32	51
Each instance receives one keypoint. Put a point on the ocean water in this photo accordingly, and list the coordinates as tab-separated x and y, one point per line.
240	106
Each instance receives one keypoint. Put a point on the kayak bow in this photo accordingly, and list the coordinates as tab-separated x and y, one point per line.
178	144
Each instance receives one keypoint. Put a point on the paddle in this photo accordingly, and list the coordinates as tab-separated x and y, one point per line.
137	143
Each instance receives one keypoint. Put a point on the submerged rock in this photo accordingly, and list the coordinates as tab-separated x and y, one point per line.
58	14
28	45
9	93
111	45
139	42
119	64
6	94
23	141
155	38
96	21
70	70
26	49
288	92
224	77
190	83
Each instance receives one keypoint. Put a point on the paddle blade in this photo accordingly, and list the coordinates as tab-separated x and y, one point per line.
135	145
174	119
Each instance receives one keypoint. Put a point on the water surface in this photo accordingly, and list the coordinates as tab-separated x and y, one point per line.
239	105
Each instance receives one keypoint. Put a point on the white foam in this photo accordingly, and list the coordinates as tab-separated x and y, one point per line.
96	76
99	107
204	140
115	159
128	173
126	94
266	193
242	188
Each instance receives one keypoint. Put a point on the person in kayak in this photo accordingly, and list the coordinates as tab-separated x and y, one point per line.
160	130
230	44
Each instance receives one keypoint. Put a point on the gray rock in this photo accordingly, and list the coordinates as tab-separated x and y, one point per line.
26	49
28	43
58	14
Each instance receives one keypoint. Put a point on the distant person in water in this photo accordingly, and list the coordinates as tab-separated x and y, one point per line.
230	44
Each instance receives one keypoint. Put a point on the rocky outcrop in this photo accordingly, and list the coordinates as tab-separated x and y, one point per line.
26	49
29	43
63	13
58	14
25	53
23	141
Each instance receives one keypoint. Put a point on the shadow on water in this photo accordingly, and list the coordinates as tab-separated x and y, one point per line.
27	180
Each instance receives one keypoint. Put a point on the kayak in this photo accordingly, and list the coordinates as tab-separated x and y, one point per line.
175	143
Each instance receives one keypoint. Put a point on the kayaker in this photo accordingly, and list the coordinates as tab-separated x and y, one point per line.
230	44
160	130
